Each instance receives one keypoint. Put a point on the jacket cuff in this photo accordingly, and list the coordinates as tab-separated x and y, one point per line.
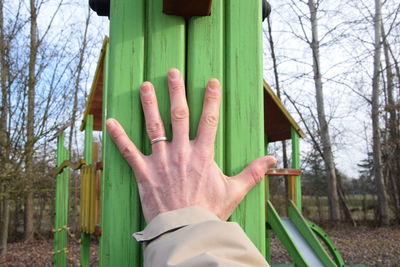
173	220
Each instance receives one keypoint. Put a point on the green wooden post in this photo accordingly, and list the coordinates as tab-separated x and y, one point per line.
296	164
205	61
104	140
88	150
164	49
121	215
267	196
144	44
244	107
61	207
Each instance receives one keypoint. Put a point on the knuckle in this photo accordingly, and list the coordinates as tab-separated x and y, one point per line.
212	95
127	151
153	127
180	113
257	174
162	167
148	101
179	157
211	120
177	87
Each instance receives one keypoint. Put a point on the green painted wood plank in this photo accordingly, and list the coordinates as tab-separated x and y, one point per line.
88	151
296	164
65	189
206	60
164	49
244	107
267	196
60	238
104	140
121	203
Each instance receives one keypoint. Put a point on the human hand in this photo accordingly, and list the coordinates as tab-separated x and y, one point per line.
182	172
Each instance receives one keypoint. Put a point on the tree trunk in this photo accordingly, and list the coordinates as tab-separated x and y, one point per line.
4	143
393	125
333	198
30	134
4	221
376	134
278	89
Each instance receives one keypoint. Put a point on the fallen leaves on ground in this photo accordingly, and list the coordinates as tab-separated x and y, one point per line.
360	245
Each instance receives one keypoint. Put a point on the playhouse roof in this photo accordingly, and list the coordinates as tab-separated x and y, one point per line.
277	119
277	124
94	105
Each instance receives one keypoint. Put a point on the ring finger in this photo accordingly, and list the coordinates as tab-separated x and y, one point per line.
154	125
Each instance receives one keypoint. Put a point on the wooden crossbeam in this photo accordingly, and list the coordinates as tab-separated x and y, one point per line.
284	172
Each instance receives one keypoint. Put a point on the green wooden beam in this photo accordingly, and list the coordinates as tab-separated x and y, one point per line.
61	207
164	49
88	154
301	225
206	60
103	188
296	164
282	234
244	108
267	197
121	202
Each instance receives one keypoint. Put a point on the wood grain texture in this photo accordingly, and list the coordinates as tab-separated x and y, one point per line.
244	108
206	60
121	203
61	207
165	49
88	153
296	165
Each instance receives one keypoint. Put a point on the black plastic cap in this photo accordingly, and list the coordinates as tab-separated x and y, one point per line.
266	9
101	7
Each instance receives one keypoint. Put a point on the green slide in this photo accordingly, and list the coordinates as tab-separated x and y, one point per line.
298	237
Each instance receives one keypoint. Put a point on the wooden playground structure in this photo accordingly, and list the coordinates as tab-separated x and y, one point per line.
144	43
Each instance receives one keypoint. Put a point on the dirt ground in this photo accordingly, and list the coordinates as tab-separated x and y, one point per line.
370	246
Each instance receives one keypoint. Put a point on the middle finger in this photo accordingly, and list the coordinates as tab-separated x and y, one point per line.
179	107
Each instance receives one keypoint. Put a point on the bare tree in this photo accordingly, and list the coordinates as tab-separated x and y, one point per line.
375	116
392	145
277	85
333	197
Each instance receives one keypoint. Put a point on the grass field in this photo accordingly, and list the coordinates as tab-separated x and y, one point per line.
316	208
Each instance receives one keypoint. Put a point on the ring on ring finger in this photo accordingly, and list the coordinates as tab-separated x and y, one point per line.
158	139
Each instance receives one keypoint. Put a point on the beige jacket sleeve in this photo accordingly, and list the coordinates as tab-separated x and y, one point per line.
194	236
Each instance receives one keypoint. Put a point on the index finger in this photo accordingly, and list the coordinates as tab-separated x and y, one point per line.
128	150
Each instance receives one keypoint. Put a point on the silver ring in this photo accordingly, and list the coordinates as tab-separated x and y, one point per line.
155	140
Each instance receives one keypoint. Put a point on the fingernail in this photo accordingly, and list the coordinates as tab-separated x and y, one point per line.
110	123
146	88
213	84
174	75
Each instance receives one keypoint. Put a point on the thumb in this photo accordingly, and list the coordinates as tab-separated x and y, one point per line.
254	173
